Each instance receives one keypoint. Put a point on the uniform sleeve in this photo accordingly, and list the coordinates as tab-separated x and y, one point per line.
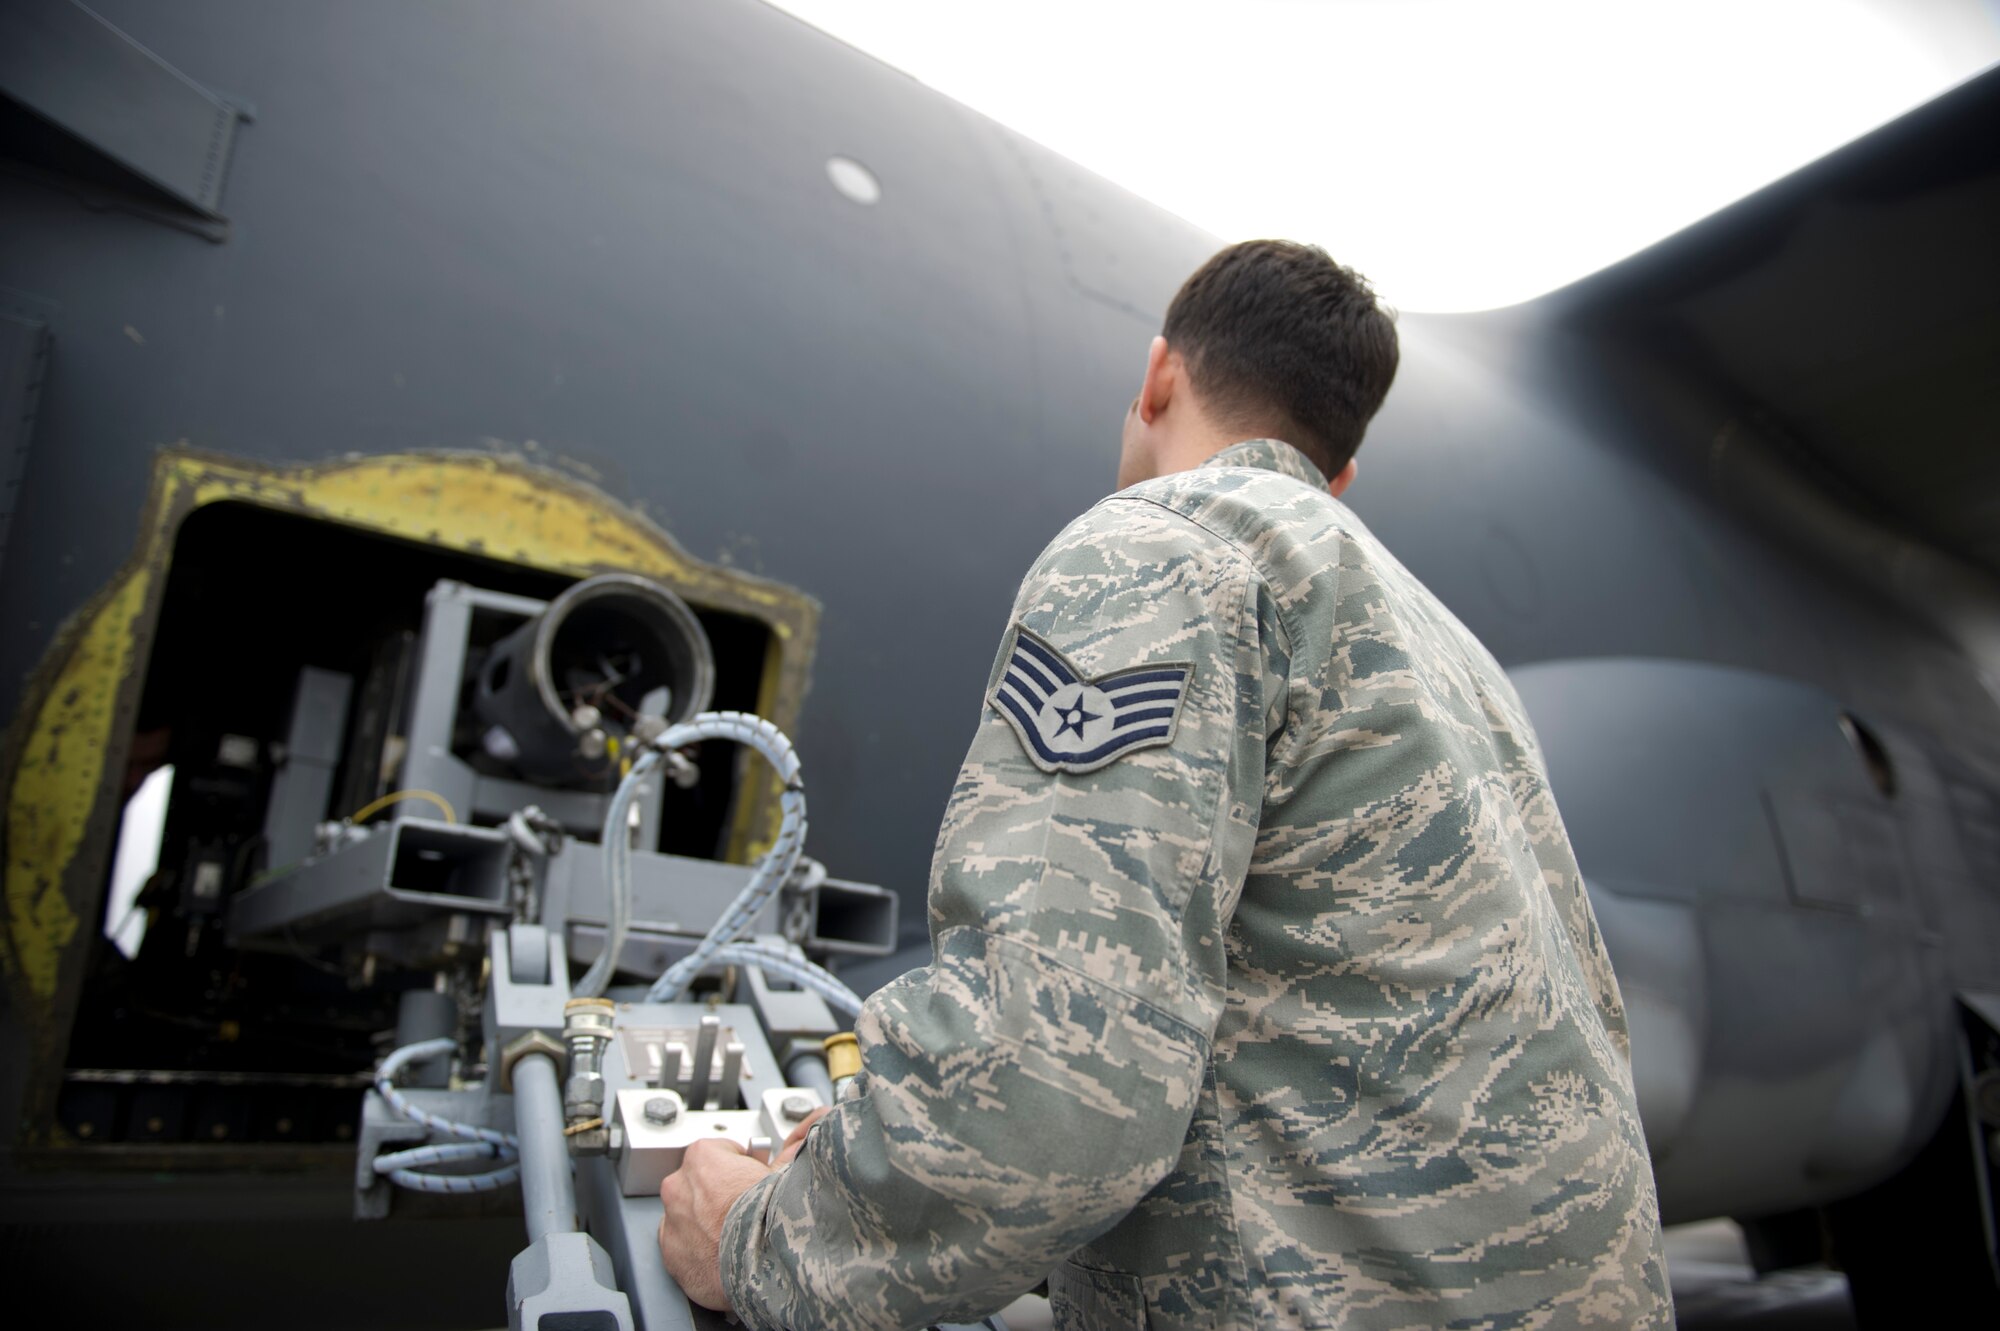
1023	1092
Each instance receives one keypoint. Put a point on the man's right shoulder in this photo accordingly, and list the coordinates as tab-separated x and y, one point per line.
1111	531
1273	518
1294	538
1123	561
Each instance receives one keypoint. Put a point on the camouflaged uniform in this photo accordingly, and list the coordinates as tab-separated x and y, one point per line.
1278	1005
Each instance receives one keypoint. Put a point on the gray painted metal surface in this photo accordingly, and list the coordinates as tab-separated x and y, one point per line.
93	81
304	781
629	1228
24	350
1668	498
548	1198
1775	960
565	1280
358	885
442	650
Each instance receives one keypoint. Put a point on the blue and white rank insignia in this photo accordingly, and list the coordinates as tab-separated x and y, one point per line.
1068	723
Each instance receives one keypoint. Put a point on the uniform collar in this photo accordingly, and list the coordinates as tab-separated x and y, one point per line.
1270	455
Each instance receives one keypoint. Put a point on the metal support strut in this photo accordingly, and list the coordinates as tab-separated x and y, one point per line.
563	1278
548	1194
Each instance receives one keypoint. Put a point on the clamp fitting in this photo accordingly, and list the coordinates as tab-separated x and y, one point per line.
531	1042
587	1027
843	1062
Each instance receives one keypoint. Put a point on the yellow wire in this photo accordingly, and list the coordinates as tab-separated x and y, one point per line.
611	748
373	807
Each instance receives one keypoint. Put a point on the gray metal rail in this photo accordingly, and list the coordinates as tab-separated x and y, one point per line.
548	1194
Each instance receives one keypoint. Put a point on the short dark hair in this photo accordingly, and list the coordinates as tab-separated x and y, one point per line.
1280	339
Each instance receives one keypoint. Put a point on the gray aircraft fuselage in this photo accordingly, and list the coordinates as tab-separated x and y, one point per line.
605	240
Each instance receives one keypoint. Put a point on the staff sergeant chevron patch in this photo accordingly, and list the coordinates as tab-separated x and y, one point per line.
1071	724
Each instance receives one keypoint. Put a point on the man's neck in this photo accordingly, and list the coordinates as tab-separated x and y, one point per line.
1194	450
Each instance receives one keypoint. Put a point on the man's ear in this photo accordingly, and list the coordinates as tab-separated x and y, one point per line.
1338	485
1158	387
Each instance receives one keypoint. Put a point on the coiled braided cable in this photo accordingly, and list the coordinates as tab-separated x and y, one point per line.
772	872
736	920
616	844
400	1167
798	970
478	1143
776	868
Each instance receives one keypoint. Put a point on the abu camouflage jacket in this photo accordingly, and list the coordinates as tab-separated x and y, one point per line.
1265	989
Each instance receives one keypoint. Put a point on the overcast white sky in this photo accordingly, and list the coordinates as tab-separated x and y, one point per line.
1464	154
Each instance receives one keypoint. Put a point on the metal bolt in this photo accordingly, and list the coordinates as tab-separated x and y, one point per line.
661	1110
796	1107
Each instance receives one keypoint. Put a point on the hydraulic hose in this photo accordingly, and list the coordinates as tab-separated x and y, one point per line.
616	846
477	1143
798	970
400	1168
773	871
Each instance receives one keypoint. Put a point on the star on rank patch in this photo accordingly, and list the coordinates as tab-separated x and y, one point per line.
1068	723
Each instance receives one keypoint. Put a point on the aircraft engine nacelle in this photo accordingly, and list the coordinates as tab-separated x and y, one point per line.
1748	846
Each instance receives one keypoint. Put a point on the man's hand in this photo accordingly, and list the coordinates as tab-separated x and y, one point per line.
697	1197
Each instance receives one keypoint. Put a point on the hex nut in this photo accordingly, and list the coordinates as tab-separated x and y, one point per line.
662	1110
529	1042
584	1094
796	1107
